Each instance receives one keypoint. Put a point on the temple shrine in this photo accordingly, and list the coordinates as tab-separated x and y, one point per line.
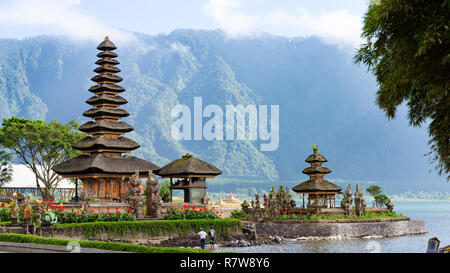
102	167
190	176
321	191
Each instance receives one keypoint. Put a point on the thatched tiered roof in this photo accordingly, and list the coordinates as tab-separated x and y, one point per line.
188	166
316	183
105	147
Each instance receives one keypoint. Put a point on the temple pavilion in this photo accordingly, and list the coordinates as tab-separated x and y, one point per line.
318	189
189	174
102	166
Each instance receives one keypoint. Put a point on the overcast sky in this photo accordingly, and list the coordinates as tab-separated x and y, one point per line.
334	21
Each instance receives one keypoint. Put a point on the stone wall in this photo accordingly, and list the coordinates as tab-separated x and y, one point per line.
297	229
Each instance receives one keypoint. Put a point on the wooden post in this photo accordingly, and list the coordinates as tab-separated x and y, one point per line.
303	200
171	191
76	189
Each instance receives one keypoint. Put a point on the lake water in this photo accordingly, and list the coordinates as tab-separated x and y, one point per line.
435	214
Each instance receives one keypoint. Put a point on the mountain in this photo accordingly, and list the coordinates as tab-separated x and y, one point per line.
323	99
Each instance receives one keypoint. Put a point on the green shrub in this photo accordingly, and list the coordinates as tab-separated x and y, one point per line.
115	246
5	214
155	228
238	214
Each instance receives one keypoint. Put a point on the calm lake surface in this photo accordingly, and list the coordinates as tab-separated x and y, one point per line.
435	214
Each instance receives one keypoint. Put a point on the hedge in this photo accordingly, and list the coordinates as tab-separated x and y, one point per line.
7	223
115	246
155	227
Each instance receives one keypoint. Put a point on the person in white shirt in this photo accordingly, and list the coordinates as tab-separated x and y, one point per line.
202	235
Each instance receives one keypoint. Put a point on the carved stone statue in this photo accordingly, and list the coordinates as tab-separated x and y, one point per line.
360	202
153	197
132	196
245	206
84	199
390	205
347	201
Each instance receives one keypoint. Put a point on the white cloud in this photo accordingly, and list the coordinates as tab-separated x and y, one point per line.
178	47
64	17
234	23
333	27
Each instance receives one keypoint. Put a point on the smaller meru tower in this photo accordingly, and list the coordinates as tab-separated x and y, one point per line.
319	190
102	167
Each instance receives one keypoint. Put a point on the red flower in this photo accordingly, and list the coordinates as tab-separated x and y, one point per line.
117	208
118	212
212	207
107	207
107	213
193	207
184	212
78	212
185	206
278	212
301	212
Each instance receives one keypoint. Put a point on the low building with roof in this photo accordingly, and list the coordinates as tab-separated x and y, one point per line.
318	189
189	174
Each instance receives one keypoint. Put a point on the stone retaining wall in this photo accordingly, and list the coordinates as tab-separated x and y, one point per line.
293	229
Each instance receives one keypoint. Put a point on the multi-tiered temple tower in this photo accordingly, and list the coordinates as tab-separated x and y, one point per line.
318	189
102	167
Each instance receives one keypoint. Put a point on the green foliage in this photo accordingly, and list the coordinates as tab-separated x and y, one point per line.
5	214
115	246
5	168
238	214
374	190
188	213
164	190
381	200
408	50
41	146
156	228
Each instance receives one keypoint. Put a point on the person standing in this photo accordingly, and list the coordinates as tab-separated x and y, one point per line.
212	236
202	235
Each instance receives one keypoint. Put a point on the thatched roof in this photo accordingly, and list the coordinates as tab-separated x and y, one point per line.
121	143
188	165
104	98
107	54
316	170
103	125
107	61
316	186
106	87
110	69
316	157
96	112
106	45
106	78
85	164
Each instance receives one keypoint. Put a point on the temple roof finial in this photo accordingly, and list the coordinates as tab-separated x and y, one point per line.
106	38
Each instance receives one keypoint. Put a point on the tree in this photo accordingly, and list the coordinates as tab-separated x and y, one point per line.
164	190
374	190
408	50
381	200
5	168
40	146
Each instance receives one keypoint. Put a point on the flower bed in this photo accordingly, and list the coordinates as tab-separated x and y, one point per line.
188	212
115	246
